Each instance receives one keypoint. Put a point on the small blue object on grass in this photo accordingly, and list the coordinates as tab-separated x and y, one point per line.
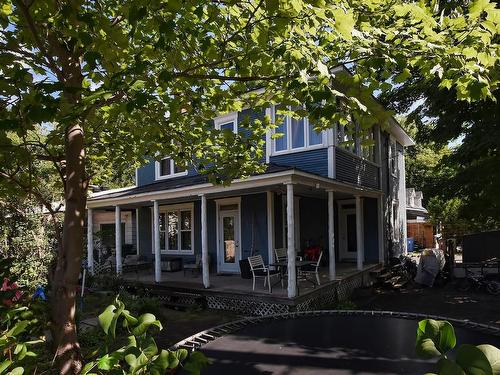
40	293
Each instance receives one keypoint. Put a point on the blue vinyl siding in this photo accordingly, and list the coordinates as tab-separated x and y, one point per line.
313	161
254	225
146	174
145	235
370	226
313	223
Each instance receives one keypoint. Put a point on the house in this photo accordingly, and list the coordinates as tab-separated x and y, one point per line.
419	230
319	189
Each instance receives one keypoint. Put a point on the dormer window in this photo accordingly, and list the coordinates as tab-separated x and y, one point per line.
167	168
297	134
229	121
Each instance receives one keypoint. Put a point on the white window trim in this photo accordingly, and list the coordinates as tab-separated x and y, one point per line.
289	149
230	117
396	230
175	207
392	141
158	176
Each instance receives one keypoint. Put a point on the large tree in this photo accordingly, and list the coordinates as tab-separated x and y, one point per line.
124	80
457	156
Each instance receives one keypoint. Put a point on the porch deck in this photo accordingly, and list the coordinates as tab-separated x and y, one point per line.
231	292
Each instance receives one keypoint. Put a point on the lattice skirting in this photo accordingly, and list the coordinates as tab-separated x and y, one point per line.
246	306
326	295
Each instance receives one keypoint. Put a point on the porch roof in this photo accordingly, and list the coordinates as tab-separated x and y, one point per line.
198	185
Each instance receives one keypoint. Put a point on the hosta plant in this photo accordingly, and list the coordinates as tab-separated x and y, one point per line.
436	338
139	354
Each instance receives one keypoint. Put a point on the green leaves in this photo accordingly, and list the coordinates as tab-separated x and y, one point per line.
141	354
344	22
472	360
21	325
437	338
434	338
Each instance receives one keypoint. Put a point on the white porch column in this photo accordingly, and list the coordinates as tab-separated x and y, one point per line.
270	226
90	240
156	243
380	228
290	219
359	233
331	236
118	239
204	243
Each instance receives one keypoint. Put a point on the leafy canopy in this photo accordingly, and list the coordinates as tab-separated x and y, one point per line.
145	77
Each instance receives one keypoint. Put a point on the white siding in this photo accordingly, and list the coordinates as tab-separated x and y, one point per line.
108	217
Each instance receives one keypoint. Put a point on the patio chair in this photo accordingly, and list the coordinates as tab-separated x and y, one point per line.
260	270
312	269
281	255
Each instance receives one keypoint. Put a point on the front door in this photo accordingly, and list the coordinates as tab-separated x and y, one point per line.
229	252
348	244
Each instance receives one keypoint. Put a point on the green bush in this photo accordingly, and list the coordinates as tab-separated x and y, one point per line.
28	238
22	325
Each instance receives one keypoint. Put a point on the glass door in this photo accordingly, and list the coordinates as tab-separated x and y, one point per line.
348	245
229	252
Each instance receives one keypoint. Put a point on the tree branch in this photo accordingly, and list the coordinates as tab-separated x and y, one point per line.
31	24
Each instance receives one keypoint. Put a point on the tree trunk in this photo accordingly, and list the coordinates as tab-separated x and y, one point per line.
70	258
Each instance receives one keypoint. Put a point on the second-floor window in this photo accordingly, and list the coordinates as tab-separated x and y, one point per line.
167	167
229	121
296	134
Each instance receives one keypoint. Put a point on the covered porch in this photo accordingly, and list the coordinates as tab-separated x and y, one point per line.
282	208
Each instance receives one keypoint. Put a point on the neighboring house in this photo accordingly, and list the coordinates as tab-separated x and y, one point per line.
344	197
420	231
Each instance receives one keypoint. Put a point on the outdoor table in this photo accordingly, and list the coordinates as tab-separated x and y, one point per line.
298	263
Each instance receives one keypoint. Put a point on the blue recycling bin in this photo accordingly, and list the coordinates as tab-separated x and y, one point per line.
410	241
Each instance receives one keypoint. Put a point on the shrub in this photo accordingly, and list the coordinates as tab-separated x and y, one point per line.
27	238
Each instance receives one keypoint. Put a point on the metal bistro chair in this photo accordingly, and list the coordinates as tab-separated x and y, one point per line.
260	270
312	269
281	255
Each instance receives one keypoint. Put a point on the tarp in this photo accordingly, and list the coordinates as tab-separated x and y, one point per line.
431	262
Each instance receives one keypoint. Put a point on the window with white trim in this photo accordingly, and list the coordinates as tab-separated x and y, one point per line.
229	121
166	168
176	229
297	134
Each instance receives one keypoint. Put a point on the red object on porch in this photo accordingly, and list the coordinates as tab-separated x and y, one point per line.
312	253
